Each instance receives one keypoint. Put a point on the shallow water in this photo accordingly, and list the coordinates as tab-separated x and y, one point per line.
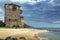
51	35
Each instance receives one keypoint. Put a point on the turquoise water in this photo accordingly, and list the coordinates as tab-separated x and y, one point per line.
51	35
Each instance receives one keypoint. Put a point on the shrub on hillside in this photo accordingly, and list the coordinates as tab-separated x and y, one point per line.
15	26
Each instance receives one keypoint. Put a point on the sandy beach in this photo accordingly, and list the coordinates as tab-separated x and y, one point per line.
23	31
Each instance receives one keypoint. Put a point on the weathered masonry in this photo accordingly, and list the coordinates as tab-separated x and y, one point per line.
13	15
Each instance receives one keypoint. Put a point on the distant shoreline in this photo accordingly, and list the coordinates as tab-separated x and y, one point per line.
54	30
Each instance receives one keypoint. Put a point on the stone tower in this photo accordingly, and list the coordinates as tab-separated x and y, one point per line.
13	15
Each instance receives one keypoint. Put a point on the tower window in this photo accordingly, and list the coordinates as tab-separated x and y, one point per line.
14	8
9	19
15	19
20	11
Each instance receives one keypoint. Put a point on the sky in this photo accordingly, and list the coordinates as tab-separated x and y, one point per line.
37	13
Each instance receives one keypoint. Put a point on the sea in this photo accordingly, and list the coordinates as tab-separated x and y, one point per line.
51	35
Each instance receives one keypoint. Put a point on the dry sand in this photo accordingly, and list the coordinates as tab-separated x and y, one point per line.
26	31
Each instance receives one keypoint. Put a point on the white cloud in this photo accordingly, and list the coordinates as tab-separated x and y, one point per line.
3	1
1	10
51	2
1	15
14	0
2	18
27	1
56	22
24	1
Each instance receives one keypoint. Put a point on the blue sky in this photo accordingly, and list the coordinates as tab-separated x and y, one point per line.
37	13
